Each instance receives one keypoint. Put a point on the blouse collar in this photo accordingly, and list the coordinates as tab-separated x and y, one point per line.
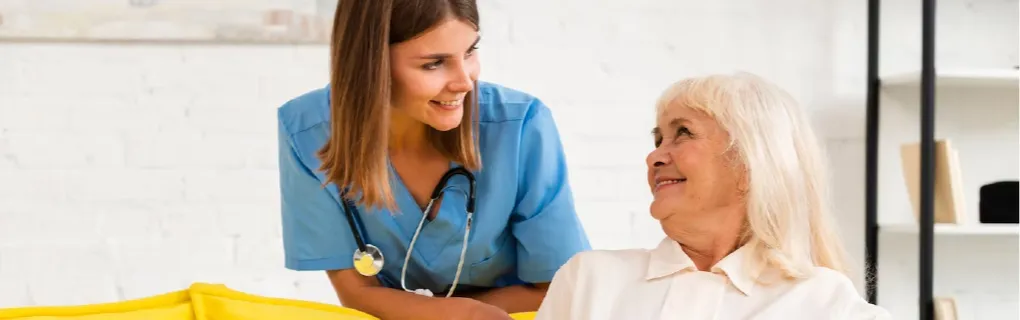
669	258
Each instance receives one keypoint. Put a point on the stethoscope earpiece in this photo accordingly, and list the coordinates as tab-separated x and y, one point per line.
369	262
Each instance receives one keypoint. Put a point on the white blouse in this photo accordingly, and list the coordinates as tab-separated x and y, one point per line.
663	283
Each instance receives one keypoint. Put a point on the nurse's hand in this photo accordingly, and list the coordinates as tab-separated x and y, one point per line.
470	309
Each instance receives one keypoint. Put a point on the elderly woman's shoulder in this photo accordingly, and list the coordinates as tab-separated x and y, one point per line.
613	256
596	262
842	294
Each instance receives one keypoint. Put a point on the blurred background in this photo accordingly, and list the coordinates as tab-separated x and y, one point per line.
138	143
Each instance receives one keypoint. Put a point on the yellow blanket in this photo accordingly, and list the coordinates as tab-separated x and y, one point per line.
201	301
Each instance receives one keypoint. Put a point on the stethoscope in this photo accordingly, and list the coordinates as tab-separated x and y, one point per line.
369	261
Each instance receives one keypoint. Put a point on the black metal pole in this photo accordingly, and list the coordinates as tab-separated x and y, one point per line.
927	216
871	156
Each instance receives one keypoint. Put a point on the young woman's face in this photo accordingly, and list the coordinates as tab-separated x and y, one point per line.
434	72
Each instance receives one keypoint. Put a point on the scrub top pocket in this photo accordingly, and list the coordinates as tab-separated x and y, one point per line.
495	266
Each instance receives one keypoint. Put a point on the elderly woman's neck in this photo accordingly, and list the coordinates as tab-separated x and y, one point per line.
708	252
711	240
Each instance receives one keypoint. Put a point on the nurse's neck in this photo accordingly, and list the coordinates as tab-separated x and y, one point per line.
407	136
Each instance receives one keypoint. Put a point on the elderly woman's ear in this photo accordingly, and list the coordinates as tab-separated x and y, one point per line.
739	189
736	162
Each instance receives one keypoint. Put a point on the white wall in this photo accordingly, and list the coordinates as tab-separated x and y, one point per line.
130	170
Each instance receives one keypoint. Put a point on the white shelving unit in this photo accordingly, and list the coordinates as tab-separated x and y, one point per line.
974	105
971	96
959	77
958	229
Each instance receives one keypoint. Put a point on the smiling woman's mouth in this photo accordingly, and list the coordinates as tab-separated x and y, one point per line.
448	105
669	182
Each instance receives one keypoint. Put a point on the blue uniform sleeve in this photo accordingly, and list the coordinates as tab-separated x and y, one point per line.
545	222
316	235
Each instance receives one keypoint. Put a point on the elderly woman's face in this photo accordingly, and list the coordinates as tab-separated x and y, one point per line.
690	171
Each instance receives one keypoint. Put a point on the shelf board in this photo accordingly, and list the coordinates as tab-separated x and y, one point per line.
957	229
958	77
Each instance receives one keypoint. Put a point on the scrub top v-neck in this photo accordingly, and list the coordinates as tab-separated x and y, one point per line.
525	225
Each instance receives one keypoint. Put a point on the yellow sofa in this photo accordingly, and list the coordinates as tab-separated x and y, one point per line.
201	301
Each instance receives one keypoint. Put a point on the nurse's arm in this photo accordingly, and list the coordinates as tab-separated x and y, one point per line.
368	295
545	225
513	299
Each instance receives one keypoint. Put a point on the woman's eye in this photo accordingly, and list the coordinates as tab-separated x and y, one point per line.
682	131
472	50
432	65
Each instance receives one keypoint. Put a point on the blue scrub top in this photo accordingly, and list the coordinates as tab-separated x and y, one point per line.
525	225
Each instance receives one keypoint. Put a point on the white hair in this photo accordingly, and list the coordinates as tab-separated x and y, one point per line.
789	224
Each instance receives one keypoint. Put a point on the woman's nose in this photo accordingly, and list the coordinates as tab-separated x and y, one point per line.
461	80
657	158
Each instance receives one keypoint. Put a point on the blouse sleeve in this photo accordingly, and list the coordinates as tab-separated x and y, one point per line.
558	303
855	307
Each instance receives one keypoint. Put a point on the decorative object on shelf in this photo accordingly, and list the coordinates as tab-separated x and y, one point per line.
945	308
949	197
999	202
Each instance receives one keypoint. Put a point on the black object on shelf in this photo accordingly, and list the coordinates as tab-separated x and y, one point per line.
999	202
927	194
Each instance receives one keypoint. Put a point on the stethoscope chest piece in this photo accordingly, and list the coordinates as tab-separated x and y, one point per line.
368	262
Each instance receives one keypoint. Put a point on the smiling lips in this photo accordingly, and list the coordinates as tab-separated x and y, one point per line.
661	182
447	105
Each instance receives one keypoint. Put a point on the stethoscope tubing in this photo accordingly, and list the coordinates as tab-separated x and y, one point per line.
348	210
351	211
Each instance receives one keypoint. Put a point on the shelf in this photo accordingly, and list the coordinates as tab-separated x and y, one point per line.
958	78
957	229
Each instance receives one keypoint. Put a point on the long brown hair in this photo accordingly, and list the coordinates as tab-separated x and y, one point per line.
355	157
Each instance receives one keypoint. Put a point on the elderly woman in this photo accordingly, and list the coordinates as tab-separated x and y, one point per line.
740	191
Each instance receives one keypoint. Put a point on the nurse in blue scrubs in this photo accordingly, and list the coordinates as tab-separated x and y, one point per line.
404	105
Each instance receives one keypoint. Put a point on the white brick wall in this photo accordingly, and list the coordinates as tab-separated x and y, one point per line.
131	170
